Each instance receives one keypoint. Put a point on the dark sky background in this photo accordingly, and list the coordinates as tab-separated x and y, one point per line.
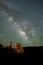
21	21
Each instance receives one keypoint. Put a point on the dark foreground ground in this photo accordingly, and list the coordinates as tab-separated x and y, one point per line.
30	53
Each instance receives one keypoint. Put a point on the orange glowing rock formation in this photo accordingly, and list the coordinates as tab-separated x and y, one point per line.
19	48
10	45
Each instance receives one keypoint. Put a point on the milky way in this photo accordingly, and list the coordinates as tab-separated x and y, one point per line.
21	21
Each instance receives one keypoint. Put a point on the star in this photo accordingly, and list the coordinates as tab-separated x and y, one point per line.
2	35
39	28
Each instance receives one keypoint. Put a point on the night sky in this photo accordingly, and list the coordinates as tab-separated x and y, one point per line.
21	21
